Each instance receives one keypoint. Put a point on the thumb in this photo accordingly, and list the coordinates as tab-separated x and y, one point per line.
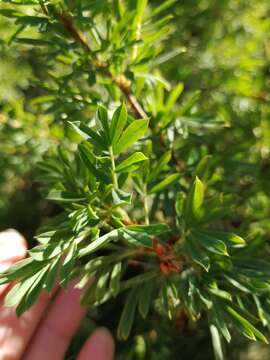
12	246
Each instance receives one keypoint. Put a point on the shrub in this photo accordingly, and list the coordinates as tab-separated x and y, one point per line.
147	209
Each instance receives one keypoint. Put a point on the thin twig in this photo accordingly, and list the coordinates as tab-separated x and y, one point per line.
121	81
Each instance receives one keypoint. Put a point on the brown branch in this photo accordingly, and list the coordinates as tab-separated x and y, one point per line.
121	81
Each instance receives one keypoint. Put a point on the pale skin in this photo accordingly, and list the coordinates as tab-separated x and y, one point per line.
45	331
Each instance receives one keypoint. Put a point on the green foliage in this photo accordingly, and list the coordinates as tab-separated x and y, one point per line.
142	168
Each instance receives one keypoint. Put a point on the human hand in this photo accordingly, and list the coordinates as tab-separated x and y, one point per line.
44	332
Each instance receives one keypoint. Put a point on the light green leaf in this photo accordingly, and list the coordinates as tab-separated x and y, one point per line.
216	340
118	123
120	197
203	167
164	183
99	243
161	164
244	326
21	269
33	293
194	201
68	265
131	134
115	278
101	287
131	163
19	290
173	96
52	273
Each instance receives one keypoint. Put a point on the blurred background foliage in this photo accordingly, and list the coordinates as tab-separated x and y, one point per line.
220	51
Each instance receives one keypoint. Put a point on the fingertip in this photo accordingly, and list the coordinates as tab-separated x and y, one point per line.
100	346
13	246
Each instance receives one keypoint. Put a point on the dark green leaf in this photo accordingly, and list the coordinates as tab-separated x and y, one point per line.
100	175
128	313
145	298
198	255
229	239
210	243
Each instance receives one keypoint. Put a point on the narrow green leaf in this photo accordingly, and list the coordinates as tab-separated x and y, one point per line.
228	238
157	9
220	321
220	293
99	243
128	314
63	196
203	167
131	134
198	255
33	293
145	298
52	274
102	283
22	269
216	340
115	278
131	163
90	134
153	229
164	183
161	164
120	197
33	42
146	277
68	265
194	201
19	290
210	243
11	13
100	175
245	326
102	116
173	96
118	123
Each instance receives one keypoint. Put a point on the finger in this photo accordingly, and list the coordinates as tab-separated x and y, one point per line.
56	330
100	346
12	248
15	332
